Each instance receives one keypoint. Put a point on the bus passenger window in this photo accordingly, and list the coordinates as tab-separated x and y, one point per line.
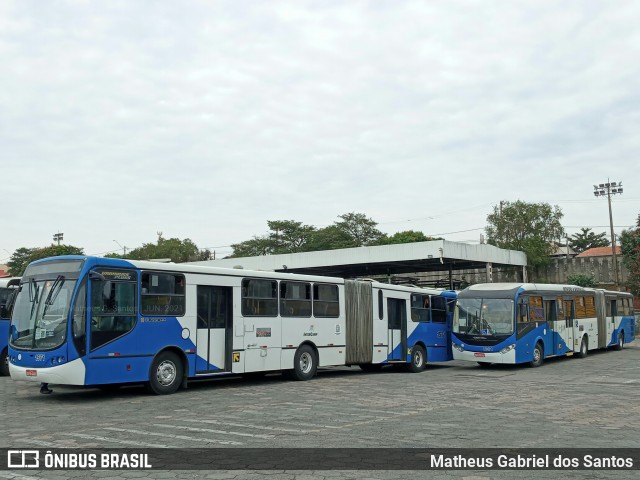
438	309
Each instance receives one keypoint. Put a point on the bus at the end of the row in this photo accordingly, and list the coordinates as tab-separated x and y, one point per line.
512	323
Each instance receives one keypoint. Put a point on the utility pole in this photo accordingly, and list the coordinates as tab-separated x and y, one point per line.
124	254
608	189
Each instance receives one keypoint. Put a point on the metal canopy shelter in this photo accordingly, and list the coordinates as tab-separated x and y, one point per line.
434	256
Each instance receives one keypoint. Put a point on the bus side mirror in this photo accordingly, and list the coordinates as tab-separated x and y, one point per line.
96	276
522	310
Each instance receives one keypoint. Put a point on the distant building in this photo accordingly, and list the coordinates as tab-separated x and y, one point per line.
563	252
600	252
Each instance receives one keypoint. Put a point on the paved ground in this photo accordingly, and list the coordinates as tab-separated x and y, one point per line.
593	402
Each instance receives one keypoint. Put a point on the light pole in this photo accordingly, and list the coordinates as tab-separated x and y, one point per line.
124	249
608	189
57	237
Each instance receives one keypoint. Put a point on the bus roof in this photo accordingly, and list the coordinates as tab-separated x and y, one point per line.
236	272
510	289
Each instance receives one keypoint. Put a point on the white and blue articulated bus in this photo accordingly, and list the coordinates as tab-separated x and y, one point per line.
8	289
526	323
99	321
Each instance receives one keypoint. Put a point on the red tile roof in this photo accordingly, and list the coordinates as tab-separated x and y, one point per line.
599	252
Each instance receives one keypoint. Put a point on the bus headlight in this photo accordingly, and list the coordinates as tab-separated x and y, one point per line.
457	347
508	349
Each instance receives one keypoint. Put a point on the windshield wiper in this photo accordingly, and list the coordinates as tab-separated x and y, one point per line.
53	293
33	290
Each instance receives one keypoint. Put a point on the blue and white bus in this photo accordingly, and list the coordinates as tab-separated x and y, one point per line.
98	321
8	288
526	323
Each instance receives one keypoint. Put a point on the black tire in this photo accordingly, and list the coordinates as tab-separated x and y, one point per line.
418	359
305	364
538	356
584	348
4	363
620	345
370	367
165	374
484	364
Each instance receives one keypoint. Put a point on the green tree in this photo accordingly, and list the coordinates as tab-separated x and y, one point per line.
586	239
407	236
24	256
361	229
328	238
630	246
581	280
173	248
529	227
290	236
284	236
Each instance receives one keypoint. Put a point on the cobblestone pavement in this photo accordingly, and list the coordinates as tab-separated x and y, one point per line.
592	402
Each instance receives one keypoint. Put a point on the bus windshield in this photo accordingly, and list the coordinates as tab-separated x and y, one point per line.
483	316
40	313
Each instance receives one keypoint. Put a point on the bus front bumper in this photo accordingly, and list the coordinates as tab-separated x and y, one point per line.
71	373
488	357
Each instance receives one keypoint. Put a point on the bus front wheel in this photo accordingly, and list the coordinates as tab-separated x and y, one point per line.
538	356
165	374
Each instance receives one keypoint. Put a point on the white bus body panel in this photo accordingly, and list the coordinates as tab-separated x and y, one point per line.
72	373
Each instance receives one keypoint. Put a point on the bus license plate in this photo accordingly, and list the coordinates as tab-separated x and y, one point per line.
478	354
32	373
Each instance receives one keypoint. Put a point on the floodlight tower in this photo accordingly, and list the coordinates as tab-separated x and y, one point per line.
608	189
57	237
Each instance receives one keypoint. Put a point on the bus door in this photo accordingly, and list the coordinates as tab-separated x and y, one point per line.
553	328
612	313
397	328
569	322
215	329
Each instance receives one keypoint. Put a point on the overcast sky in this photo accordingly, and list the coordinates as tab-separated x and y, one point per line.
203	120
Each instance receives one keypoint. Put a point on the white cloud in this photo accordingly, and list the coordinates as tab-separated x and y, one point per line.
207	119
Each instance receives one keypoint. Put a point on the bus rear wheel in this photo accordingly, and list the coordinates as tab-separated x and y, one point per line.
165	374
620	344
584	348
418	359
305	364
538	356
